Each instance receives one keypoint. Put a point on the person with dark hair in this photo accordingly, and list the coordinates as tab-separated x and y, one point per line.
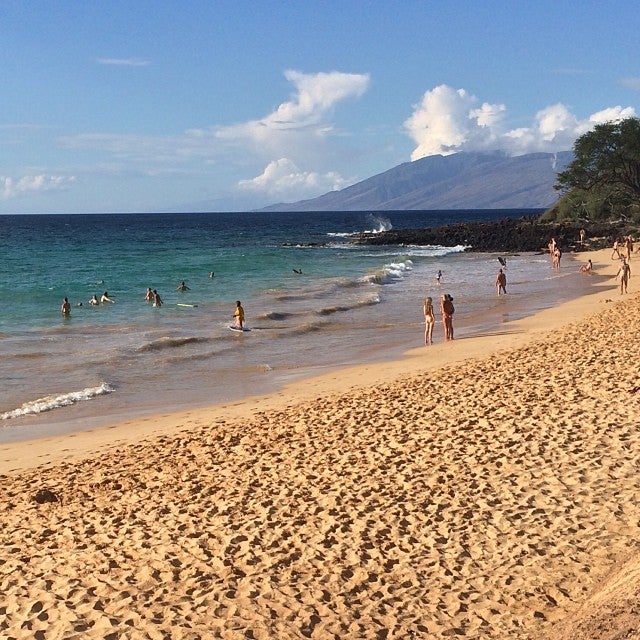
239	315
501	282
447	309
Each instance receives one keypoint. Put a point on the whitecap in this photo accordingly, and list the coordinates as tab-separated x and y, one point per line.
54	402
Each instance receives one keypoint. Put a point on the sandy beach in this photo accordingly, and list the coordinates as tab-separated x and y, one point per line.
483	488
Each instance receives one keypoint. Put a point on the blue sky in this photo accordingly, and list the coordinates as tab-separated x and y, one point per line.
158	105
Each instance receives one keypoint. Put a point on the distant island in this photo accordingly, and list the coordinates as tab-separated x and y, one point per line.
459	181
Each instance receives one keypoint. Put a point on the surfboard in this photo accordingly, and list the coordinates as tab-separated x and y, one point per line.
184	304
502	261
238	329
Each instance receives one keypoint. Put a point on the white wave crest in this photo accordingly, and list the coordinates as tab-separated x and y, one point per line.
54	402
389	272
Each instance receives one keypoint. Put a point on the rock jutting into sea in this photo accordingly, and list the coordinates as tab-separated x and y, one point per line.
522	234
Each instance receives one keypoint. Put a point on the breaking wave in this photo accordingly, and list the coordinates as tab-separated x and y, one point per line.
55	402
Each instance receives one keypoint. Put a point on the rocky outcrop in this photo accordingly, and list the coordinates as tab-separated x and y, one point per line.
508	235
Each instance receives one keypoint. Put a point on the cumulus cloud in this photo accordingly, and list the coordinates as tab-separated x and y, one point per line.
12	188
282	178
303	117
448	121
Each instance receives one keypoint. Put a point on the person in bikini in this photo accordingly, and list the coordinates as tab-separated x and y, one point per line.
429	320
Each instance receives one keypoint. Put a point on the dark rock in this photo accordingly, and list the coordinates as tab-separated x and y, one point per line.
508	235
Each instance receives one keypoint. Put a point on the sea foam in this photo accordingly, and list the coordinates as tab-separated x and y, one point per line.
54	402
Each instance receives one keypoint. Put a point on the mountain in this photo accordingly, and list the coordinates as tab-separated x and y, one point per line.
459	181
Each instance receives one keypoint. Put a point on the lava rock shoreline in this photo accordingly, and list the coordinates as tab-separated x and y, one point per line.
507	235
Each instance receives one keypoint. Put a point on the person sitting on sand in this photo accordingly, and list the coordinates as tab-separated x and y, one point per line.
105	298
65	308
501	282
587	268
429	320
447	309
182	287
239	315
625	273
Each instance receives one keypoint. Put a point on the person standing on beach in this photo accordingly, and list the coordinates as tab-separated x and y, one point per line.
583	235
447	309
501	282
65	308
239	315
616	252
625	273
629	247
429	320
557	254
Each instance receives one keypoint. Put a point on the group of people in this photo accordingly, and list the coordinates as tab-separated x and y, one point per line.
65	308
555	253
446	309
153	296
623	248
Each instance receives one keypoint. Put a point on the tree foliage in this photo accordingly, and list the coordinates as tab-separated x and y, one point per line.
607	156
603	180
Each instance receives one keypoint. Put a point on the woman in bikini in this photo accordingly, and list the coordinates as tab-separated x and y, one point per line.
429	321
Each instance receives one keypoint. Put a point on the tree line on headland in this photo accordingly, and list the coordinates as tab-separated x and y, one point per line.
600	194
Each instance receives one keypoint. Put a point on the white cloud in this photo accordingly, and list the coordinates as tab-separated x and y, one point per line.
282	178
448	121
124	62
302	120
11	188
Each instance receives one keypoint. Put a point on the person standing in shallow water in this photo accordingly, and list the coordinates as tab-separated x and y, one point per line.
429	321
65	308
501	282
239	315
447	309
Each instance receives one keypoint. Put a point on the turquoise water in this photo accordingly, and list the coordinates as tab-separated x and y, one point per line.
349	304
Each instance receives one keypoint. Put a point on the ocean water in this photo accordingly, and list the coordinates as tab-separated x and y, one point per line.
350	304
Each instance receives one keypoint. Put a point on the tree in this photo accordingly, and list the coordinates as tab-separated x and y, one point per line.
607	159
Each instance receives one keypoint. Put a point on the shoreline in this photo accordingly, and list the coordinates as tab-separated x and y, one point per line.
478	488
511	334
130	400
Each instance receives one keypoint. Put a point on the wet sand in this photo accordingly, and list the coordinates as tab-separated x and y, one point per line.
484	488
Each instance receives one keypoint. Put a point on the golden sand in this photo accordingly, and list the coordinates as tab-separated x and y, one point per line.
485	488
